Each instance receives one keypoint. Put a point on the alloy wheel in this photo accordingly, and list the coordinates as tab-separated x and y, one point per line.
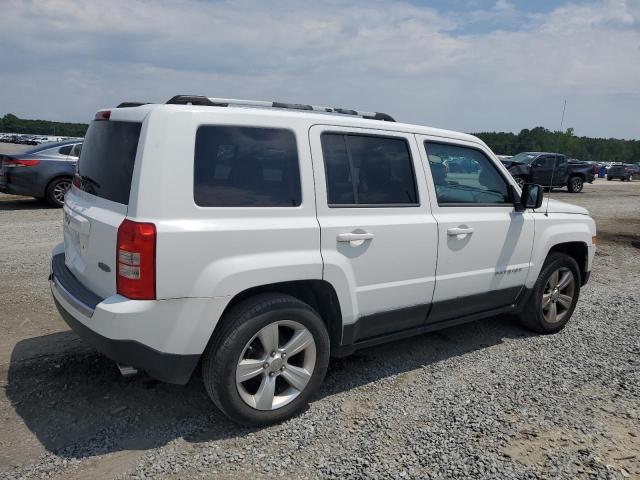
276	365
60	190
558	294
577	184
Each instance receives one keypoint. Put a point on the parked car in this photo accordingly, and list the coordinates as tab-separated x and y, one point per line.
633	169
261	241
44	172
461	165
550	170
619	171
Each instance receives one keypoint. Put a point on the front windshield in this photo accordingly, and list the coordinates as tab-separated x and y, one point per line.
523	157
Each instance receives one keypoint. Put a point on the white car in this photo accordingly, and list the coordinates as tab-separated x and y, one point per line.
261	238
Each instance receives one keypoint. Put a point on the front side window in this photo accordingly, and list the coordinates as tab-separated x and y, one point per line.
465	176
368	170
246	167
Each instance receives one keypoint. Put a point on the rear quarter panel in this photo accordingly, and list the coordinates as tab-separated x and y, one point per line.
218	252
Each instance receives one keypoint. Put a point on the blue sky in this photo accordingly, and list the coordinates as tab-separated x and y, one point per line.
469	65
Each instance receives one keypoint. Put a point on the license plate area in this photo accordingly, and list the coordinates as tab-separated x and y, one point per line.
76	230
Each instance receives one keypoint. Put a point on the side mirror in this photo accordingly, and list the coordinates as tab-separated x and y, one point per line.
531	196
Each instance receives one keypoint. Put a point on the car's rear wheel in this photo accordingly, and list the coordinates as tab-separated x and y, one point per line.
576	184
267	359
554	296
520	181
56	190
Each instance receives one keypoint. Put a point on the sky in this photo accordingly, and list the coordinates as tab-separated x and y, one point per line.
467	65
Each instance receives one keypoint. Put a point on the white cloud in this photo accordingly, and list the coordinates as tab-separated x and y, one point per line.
64	59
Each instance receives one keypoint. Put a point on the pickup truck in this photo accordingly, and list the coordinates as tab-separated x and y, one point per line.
549	170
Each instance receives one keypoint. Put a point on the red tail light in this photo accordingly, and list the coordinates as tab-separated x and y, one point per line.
136	260
103	115
15	162
77	181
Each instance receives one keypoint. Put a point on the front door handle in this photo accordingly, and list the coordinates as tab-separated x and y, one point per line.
452	232
354	237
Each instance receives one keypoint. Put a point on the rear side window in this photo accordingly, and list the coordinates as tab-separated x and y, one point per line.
66	150
368	170
246	167
108	156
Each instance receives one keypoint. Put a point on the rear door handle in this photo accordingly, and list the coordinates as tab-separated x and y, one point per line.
354	237
452	232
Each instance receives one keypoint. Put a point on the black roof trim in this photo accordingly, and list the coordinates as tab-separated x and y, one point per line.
194	100
382	116
131	104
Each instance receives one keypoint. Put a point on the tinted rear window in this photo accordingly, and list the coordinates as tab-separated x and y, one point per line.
107	159
368	170
246	167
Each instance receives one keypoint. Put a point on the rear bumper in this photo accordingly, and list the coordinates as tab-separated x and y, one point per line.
166	367
88	314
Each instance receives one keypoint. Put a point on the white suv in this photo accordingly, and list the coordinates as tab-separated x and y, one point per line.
262	238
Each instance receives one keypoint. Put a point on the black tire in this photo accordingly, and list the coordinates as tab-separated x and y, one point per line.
532	315
575	185
520	181
609	178
52	194
238	326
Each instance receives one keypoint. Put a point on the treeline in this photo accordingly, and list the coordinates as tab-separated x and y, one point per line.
583	148
12	124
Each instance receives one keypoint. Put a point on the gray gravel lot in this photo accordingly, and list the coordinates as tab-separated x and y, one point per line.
483	400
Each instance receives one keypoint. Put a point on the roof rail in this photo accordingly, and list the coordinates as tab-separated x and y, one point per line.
227	102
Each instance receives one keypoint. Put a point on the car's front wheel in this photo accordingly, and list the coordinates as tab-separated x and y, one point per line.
266	360
56	191
520	181
554	295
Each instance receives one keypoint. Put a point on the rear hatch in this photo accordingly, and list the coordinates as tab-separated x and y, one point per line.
97	203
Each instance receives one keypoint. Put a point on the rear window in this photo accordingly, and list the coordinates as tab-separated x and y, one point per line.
246	167
108	156
368	170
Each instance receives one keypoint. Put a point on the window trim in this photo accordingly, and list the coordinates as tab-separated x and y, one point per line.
510	191
344	133
245	207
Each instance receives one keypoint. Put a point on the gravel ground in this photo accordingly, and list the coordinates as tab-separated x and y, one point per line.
483	400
